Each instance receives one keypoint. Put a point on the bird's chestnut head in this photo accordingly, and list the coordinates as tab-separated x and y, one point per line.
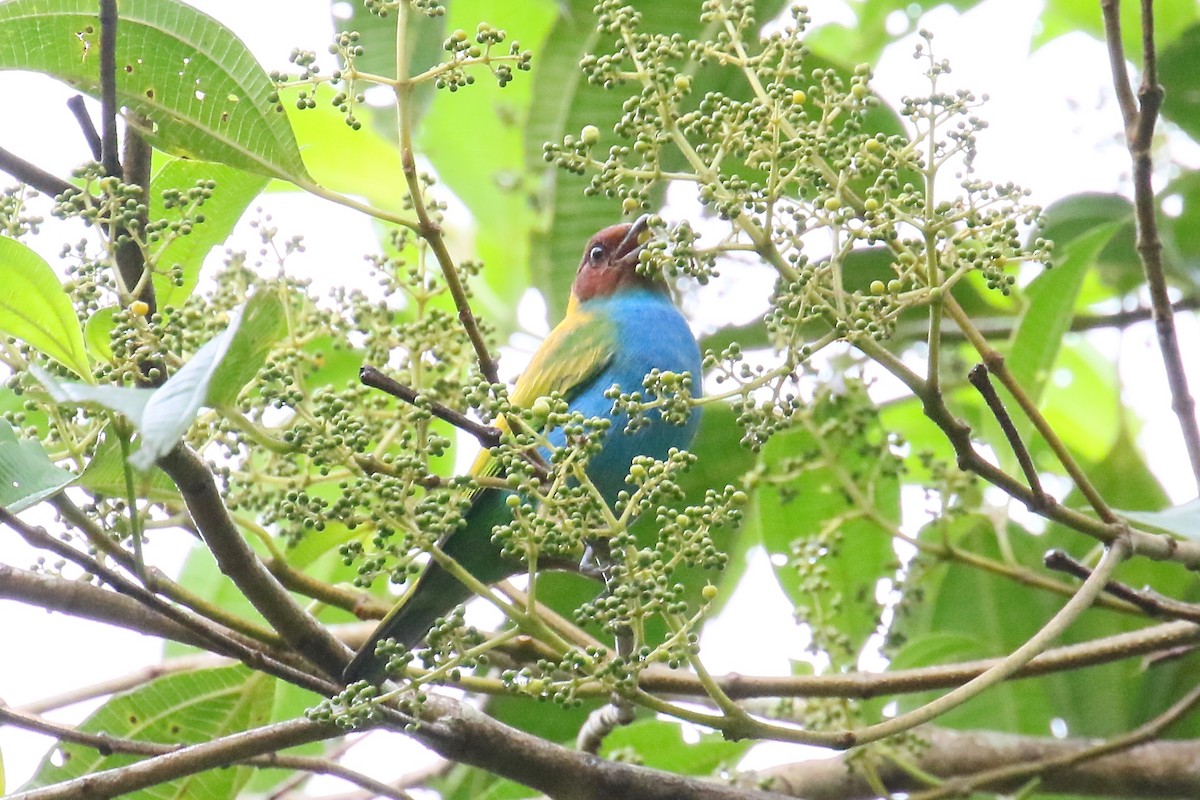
610	262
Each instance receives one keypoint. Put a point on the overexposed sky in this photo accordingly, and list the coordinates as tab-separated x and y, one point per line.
1054	128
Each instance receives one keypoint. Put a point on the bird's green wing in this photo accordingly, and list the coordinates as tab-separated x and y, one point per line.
577	350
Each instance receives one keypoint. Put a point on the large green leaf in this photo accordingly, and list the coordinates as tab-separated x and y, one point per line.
27	475
362	163
1082	402
960	612
1069	218
186	708
206	379
105	474
35	309
1051	308
261	325
234	190
202	91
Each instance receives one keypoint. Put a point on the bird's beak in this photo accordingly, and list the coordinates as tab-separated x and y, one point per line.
630	247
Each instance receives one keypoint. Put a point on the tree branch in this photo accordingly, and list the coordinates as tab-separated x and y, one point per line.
1008	666
461	733
241	564
488	436
32	175
177	762
89	601
108	88
978	377
1140	115
216	639
1154	546
1150	601
90	134
1165	769
866	685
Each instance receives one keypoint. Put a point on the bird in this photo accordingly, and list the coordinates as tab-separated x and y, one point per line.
620	325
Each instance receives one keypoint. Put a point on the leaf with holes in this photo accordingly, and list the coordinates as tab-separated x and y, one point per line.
198	90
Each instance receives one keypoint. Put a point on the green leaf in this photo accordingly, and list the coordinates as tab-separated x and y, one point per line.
1118	264
35	309
200	88
1181	520
660	745
97	333
263	323
1082	401
233	191
970	613
362	163
203	380
105	474
187	708
27	475
128	401
1047	319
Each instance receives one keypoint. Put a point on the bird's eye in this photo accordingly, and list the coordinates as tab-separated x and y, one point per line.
595	254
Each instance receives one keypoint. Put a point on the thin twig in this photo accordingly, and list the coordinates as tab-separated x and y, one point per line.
1158	547
90	134
1150	601
865	685
1010	664
428	228
1140	115
123	683
997	365
978	377
487	435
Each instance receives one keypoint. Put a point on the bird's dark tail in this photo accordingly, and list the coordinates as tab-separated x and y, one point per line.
434	595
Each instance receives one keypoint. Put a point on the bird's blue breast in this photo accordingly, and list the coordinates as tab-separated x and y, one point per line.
650	334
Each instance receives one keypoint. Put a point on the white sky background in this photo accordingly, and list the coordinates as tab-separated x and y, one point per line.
1054	127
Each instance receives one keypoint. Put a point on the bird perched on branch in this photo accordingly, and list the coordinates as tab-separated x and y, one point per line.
620	325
